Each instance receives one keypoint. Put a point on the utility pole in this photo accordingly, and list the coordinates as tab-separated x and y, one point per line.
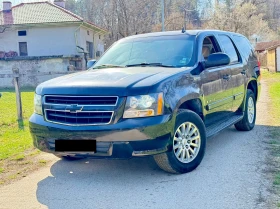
162	14
185	19
185	16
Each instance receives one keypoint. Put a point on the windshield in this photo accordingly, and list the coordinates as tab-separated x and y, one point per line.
174	51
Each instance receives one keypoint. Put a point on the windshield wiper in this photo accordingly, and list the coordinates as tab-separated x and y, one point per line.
108	66
150	64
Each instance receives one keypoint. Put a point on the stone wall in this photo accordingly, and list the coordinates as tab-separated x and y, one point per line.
35	70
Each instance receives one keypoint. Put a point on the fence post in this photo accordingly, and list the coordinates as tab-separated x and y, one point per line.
18	98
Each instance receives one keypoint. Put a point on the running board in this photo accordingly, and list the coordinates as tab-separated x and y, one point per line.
222	124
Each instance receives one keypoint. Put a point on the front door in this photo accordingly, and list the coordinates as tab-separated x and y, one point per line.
217	93
215	85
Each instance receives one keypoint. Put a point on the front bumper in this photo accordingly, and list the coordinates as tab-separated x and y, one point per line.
127	138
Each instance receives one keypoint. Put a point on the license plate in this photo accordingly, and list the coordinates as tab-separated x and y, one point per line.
75	145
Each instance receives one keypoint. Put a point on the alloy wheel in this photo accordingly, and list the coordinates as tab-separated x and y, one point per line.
186	142
251	110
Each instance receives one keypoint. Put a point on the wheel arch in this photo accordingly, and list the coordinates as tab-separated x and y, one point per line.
253	85
194	104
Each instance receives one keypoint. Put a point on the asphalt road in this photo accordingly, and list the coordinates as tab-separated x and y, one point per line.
232	175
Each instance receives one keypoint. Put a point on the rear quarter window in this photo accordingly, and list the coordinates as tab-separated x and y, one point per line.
244	46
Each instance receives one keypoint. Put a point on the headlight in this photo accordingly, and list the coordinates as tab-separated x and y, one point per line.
38	104
144	106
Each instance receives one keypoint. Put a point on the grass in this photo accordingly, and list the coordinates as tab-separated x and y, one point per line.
273	82
274	92
277	179
14	176
18	157
43	162
13	141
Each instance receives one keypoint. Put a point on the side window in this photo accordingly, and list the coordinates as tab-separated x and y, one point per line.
228	48
244	45
209	46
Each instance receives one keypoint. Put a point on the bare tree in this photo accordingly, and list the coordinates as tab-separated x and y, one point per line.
128	17
243	18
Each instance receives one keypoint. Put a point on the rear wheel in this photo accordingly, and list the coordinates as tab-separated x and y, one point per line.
249	119
188	144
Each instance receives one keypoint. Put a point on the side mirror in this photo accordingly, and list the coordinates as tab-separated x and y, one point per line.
217	59
90	63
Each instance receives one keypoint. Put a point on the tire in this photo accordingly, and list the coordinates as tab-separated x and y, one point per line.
248	123
184	163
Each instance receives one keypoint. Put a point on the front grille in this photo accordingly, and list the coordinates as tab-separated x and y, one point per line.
79	118
82	100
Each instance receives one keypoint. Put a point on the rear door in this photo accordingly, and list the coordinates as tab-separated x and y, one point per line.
237	72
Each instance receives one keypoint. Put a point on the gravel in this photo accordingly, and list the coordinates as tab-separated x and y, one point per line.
232	175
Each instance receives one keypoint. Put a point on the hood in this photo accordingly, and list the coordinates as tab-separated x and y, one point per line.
108	81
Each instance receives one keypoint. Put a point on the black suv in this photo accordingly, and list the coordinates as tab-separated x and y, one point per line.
160	94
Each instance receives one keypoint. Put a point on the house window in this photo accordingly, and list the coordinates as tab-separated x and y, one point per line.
90	49
88	33
22	33
98	53
99	36
23	49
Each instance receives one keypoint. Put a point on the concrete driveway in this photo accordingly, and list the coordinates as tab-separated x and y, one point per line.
232	175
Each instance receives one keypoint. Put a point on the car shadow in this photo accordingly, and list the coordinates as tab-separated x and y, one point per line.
103	182
90	178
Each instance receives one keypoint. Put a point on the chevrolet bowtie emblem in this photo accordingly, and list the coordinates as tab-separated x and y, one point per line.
74	108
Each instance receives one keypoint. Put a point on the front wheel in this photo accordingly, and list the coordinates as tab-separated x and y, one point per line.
249	119
188	144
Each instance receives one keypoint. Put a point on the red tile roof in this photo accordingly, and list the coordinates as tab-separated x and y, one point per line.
261	46
40	12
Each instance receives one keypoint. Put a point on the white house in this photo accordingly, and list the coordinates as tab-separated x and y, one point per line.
47	29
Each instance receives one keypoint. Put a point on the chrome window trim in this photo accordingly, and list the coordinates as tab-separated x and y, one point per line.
80	96
87	124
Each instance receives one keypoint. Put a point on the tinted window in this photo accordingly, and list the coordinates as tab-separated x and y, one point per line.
169	50
244	45
228	48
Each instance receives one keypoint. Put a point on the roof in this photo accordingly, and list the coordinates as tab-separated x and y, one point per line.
274	47
41	12
261	46
179	32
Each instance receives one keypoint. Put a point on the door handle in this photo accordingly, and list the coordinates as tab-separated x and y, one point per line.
226	77
243	72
